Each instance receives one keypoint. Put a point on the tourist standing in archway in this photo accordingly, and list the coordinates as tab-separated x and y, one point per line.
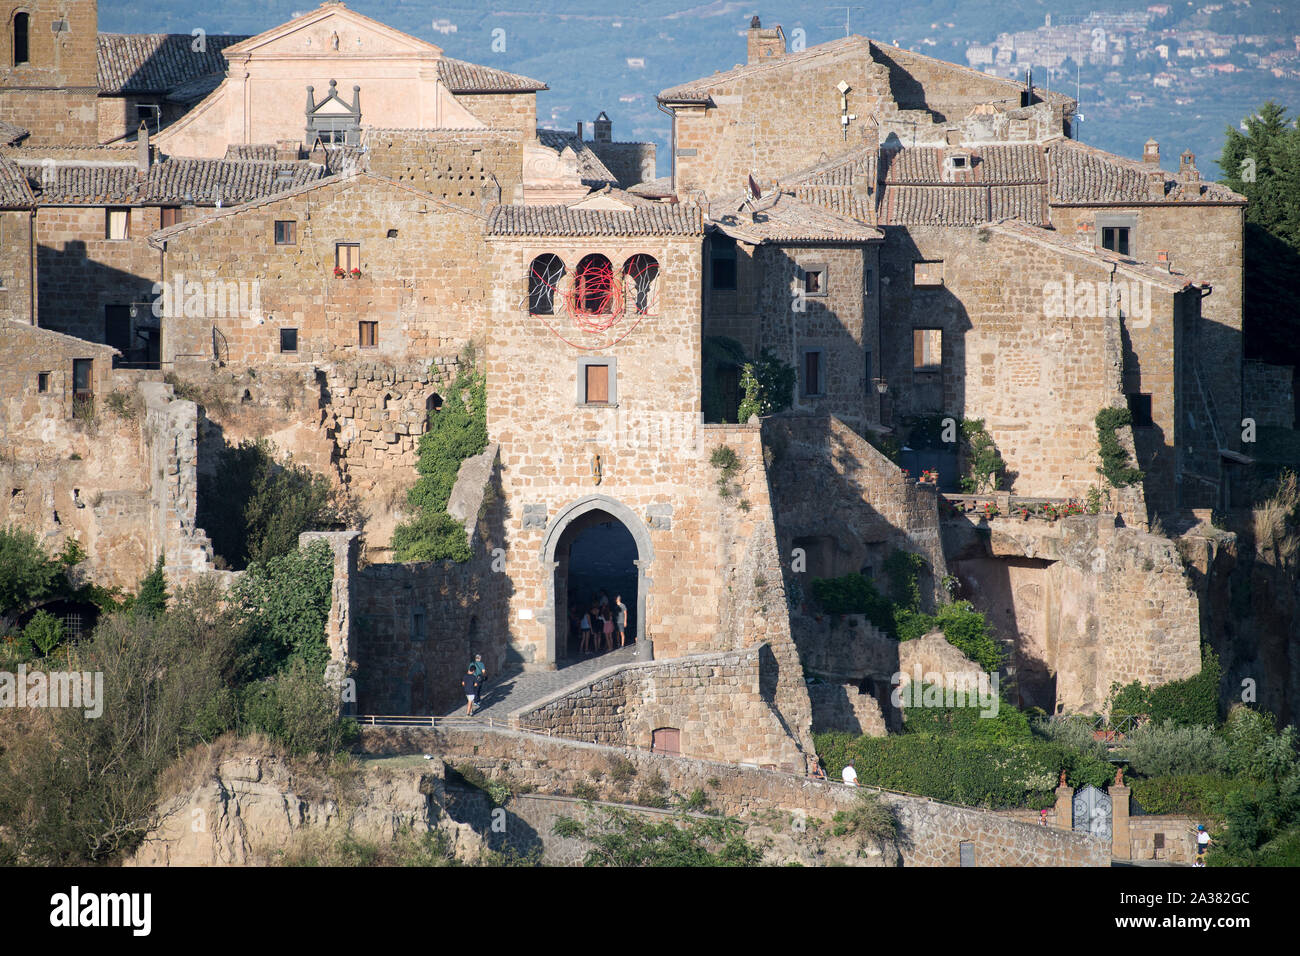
620	619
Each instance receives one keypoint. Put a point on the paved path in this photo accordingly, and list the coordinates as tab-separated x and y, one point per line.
519	688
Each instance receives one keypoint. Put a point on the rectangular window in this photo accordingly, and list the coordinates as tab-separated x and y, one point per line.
814	373
288	340
417	624
927	273
1116	239
116	223
722	262
347	256
1139	406
866	374
42	381
286	232
927	350
869	283
171	215
367	334
1158	842
83	379
597	384
814	280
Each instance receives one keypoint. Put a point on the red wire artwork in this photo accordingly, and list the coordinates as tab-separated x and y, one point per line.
596	302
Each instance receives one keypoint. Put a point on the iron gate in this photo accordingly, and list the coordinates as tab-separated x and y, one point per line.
1092	812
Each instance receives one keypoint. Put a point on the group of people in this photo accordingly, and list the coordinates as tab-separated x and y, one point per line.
603	623
472	683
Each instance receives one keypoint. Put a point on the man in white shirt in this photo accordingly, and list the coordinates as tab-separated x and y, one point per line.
849	775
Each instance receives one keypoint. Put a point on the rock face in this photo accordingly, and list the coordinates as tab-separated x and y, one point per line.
253	806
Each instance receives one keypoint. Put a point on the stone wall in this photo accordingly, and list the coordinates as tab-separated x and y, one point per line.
80	272
17	246
1085	602
934	831
1178	843
118	476
1269	396
846	708
473	169
416	626
631	163
832	488
422	278
714	700
502	111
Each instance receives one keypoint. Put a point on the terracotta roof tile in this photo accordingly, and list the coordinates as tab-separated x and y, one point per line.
158	62
462	77
172	182
1081	174
10	134
644	219
785	218
14	190
934	205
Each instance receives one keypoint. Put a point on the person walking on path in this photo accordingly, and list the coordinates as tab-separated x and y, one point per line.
1203	842
620	619
470	684
849	775
480	669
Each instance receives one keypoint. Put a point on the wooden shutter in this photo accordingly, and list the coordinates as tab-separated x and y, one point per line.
597	383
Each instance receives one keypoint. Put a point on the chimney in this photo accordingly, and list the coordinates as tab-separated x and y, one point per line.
142	155
1162	260
579	129
287	150
765	44
1155	185
1187	170
1151	153
602	131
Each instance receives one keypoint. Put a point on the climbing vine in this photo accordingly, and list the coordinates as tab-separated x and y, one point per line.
1115	465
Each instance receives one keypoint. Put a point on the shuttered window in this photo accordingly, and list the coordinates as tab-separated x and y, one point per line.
597	384
927	350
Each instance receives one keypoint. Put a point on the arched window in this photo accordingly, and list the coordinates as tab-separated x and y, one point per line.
593	286
641	272
544	277
22	22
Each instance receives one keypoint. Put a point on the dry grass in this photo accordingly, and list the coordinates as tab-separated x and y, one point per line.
1277	524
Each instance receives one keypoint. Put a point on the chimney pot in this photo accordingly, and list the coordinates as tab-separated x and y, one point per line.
1151	153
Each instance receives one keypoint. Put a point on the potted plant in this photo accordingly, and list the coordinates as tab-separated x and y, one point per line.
338	272
356	273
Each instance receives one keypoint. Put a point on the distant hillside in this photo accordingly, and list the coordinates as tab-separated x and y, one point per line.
594	59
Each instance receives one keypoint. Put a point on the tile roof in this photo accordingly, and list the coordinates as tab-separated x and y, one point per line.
846	184
462	77
590	168
158	62
14	191
10	134
1080	173
642	219
265	151
172	182
924	165
781	217
700	91
909	205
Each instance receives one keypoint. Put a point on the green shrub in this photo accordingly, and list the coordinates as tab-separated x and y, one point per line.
27	572
254	508
284	606
1162	748
44	632
1256	749
1195	795
456	432
1114	458
968	771
984	465
151	599
297	708
1007	726
1193	701
903	568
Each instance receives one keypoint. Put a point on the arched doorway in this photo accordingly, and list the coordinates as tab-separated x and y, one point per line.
593	544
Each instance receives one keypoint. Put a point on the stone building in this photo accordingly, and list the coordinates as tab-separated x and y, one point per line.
911	237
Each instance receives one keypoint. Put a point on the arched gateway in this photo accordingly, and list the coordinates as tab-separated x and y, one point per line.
563	530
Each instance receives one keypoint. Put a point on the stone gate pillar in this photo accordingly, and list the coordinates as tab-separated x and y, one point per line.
1120	847
1064	811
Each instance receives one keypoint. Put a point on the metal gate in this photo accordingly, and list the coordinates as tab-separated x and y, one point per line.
1092	812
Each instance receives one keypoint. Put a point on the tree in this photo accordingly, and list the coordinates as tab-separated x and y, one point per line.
254	508
27	574
1263	164
151	601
